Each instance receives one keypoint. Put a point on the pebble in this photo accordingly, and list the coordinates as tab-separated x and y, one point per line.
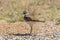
55	35
52	36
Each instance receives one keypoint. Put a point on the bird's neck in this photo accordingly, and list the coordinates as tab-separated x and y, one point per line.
26	16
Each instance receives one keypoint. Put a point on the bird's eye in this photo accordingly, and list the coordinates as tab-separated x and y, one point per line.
25	12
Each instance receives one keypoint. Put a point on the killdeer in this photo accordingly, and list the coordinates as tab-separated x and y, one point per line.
29	20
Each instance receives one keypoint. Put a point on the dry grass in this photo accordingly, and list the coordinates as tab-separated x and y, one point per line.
11	10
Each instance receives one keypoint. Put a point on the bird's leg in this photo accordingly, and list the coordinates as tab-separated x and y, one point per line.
31	25
31	29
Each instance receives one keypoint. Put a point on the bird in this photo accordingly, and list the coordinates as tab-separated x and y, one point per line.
29	20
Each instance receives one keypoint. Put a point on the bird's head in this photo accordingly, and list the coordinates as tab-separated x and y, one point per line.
25	13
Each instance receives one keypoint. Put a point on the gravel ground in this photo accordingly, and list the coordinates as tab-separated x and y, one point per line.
44	36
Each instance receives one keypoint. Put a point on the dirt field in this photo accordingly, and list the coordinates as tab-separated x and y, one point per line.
12	22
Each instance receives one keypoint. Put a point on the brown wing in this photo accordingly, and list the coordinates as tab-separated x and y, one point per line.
29	19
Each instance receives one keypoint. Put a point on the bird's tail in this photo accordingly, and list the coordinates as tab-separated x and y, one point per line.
38	21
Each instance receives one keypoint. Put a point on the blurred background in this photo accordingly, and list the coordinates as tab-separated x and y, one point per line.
46	10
